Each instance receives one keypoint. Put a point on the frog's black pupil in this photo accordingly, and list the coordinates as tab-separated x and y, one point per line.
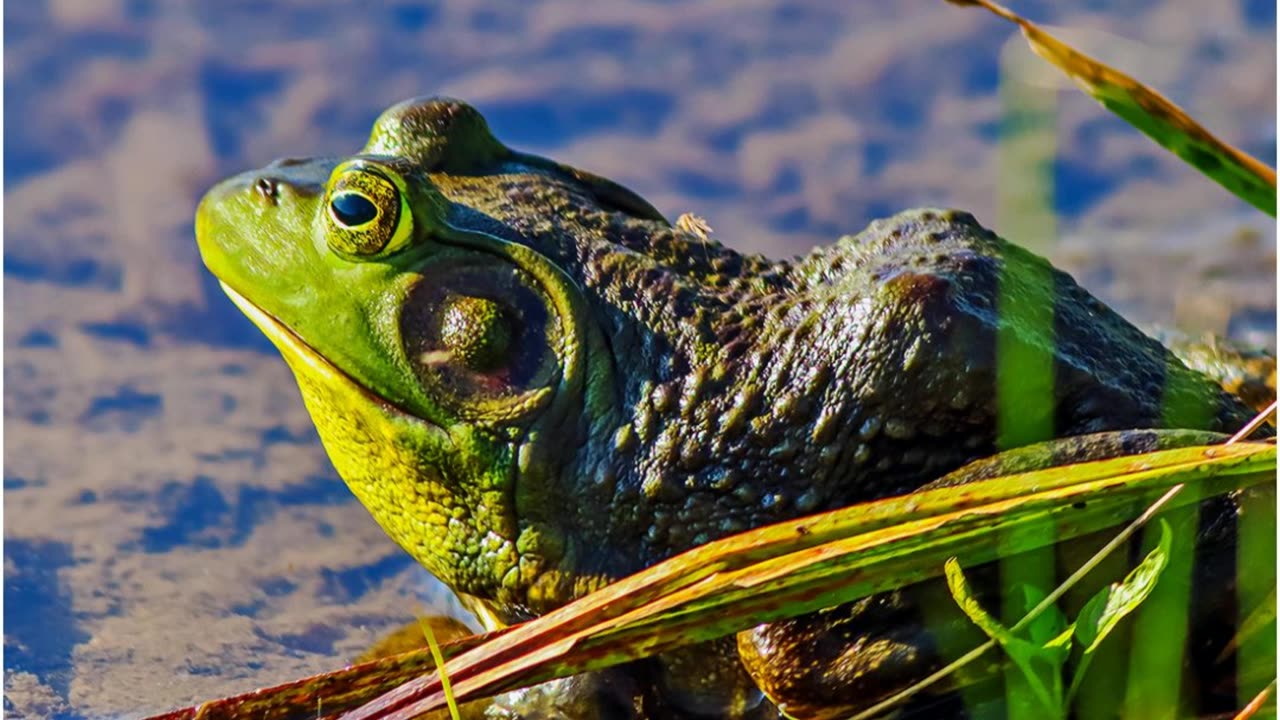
352	209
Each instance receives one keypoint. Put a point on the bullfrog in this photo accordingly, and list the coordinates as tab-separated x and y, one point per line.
537	384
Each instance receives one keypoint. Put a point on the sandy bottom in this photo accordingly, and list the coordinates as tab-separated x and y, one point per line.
173	530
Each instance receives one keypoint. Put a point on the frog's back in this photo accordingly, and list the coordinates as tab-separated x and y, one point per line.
919	309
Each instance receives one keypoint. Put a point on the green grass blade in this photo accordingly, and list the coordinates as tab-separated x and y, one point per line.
799	566
1153	114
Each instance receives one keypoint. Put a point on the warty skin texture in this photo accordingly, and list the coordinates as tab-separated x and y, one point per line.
660	390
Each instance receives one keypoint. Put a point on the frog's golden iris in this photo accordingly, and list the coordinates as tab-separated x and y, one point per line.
368	213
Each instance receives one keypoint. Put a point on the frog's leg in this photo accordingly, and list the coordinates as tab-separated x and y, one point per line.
617	692
708	680
411	636
835	662
1246	372
839	661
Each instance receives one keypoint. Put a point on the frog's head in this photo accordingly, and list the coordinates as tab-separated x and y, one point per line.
450	364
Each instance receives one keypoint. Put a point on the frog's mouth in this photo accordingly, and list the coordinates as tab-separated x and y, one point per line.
296	350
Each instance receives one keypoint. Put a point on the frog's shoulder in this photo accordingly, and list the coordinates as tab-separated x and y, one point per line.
918	232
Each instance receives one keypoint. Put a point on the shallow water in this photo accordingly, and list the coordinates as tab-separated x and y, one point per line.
173	531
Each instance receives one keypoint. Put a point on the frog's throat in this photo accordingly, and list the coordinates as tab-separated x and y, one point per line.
305	361
350	420
403	484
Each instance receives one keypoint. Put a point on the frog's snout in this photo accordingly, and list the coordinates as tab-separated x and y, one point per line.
294	177
280	181
242	223
276	174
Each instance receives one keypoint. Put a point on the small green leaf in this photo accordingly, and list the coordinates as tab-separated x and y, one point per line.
1100	615
1040	664
1047	627
1063	640
1089	621
969	604
1042	668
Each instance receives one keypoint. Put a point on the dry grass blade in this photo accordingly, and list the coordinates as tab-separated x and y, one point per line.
1252	426
799	566
332	691
1257	702
1260	617
1152	113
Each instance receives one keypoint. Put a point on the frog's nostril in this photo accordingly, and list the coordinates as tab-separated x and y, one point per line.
287	162
267	189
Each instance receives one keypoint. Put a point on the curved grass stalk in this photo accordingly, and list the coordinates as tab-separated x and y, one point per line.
1049	600
1152	113
797	567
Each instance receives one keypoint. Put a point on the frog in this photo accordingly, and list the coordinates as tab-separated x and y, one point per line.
538	385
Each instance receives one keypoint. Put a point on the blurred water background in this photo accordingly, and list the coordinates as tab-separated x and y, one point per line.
172	528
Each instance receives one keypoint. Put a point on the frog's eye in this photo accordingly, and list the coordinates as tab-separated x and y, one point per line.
482	339
367	214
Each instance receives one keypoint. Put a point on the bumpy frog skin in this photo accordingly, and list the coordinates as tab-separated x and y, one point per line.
537	385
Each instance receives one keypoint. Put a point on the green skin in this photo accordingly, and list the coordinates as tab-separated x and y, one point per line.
537	385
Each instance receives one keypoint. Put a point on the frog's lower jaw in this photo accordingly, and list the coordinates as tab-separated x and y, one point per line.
397	465
402	468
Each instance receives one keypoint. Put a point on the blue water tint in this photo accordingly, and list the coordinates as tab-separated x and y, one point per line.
606	39
74	272
982	74
793	220
350	584
412	16
133	333
314	490
318	639
880	209
139	9
23	21
193	509
125	409
1259	13
875	156
1077	186
702	185
22	159
282	434
277	587
40	630
1252	324
38	339
200	514
215	322
787	180
557	118
99	44
47	65
1264	150
788	105
233	97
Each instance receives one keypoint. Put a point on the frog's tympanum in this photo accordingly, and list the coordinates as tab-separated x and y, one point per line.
537	385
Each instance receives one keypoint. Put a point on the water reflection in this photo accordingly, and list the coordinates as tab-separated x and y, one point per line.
173	530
